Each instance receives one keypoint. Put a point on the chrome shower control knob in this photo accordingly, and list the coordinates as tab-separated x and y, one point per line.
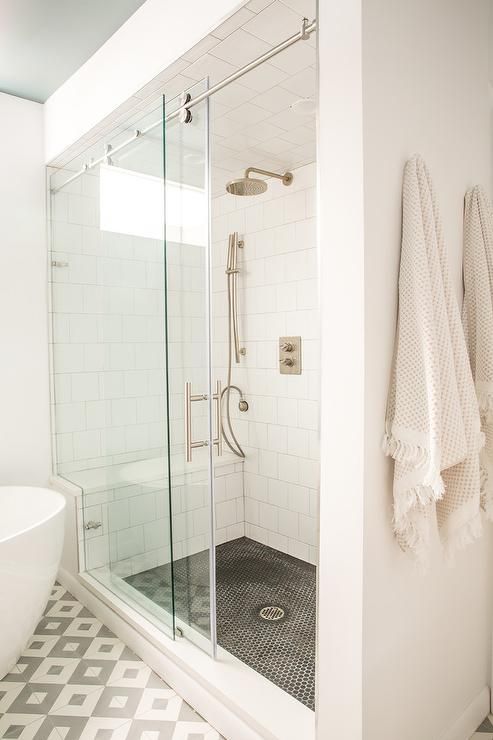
288	361
287	347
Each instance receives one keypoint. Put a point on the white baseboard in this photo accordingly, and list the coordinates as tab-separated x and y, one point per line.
234	699
471	718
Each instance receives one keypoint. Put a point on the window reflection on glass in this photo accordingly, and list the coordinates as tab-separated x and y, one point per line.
133	203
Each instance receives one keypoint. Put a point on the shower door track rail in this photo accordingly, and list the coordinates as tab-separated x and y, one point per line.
303	34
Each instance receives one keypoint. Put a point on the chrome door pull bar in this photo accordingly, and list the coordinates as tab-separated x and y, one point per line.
190	444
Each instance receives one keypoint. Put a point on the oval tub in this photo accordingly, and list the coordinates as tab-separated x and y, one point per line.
31	539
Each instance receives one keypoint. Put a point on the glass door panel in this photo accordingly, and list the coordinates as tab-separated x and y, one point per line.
193	404
108	296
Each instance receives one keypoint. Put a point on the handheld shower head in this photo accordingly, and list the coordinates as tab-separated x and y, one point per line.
254	186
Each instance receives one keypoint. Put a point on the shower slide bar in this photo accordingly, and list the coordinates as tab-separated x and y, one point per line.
183	111
232	273
191	445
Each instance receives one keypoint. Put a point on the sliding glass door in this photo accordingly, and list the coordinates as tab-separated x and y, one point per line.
193	401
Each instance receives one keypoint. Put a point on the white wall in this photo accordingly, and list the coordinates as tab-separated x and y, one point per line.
24	404
152	38
425	89
341	256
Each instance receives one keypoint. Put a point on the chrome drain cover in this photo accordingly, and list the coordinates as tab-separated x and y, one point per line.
272	613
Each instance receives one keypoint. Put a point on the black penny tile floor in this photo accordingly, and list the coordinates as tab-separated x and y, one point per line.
250	577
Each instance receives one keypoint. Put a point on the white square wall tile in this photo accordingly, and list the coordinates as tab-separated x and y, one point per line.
307	8
309	472
240	47
274	24
278	493
277	438
288	523
130	542
264	77
142	508
87	444
85	386
268	463
225	513
275	100
70	417
235	21
268	516
257	5
294	59
289	468
308	529
278	541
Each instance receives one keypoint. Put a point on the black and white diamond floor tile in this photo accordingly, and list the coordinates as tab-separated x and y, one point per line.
77	681
485	730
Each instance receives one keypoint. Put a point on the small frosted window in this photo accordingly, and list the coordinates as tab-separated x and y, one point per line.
133	203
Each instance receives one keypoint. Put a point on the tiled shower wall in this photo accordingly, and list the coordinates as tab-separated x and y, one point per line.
278	297
109	385
108	328
109	369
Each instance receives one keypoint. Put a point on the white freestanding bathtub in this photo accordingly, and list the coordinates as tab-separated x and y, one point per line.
31	539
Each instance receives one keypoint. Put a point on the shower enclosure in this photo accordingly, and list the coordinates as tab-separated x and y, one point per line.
185	378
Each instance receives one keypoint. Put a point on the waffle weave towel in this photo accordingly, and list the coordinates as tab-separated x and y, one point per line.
477	317
432	425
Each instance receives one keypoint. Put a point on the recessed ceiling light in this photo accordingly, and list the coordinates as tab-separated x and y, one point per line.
304	107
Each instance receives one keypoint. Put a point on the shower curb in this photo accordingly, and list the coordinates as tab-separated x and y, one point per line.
184	667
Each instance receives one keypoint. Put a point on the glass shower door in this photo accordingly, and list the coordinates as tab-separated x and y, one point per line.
109	376
193	403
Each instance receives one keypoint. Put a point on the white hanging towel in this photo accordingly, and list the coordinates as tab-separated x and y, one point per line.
432	425
477	317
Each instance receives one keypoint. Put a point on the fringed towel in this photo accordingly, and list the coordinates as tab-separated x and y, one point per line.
477	316
432	426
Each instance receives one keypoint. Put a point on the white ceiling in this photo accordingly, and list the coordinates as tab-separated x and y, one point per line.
252	122
43	42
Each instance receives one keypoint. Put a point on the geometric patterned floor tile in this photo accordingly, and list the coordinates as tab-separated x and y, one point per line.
55	670
161	705
77	681
486	725
105	648
92	672
105	728
118	702
20	726
35	698
485	730
127	674
9	690
77	701
40	646
24	669
83	627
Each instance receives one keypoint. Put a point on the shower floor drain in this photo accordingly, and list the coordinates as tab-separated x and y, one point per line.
272	613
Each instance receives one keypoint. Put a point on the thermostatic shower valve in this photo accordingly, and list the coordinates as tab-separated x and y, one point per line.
290	355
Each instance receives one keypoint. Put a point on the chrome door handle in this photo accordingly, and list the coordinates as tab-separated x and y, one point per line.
190	444
219	438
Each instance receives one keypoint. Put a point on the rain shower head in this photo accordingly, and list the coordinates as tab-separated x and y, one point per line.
253	186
